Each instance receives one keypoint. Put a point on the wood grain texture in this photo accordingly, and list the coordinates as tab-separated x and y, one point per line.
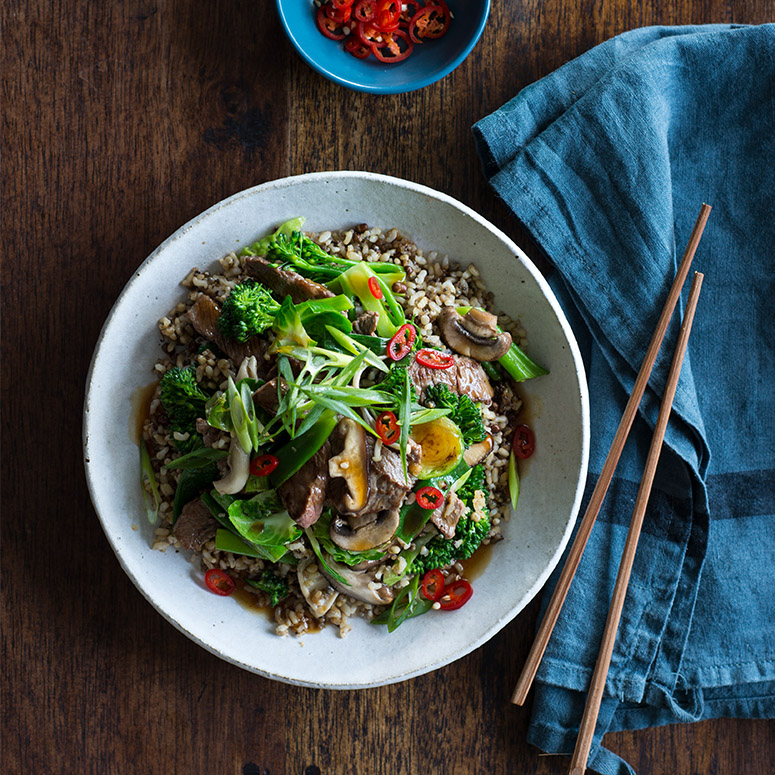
120	122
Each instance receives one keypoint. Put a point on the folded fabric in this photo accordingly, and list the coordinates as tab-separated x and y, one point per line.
606	163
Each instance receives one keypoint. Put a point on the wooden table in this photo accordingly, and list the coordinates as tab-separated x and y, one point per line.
122	121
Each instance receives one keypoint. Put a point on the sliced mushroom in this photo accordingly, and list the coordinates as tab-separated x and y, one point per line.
349	469
479	451
248	368
366	564
315	587
367	535
239	470
358	585
474	334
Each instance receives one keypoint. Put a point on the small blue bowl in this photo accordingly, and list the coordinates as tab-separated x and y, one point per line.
428	63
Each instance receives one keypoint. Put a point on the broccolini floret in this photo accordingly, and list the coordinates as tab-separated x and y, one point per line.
463	411
477	480
275	586
394	382
443	551
183	401
248	310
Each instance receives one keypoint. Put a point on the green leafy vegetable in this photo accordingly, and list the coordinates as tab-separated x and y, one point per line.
296	452
462	411
423	415
413	519
519	366
289	247
257	484
198	458
192	481
408	556
513	480
355	348
288	327
219	507
234	411
407	604
152	500
275	586
315	544
476	480
355	282
183	401
247	311
317	314
263	521
491	371
262	246
226	541
443	551
395	381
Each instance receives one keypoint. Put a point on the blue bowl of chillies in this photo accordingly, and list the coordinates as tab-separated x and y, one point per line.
384	46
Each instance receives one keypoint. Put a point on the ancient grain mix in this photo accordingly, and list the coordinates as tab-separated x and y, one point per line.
333	426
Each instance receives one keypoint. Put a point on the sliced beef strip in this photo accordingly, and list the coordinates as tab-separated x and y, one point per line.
366	323
285	283
446	516
195	526
209	436
387	485
304	494
465	377
204	314
266	395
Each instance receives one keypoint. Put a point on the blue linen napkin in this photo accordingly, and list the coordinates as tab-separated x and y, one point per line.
606	163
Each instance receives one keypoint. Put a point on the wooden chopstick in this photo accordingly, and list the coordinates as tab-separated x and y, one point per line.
597	685
598	494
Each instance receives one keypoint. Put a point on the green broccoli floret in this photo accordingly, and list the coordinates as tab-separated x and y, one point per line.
463	411
444	551
248	310
477	480
394	382
183	401
275	586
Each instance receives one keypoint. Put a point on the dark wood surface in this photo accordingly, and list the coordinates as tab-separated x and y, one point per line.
120	122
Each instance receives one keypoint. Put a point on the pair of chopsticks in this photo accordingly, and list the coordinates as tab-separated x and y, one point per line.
595	695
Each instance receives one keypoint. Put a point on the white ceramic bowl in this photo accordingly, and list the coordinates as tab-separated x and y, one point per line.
551	489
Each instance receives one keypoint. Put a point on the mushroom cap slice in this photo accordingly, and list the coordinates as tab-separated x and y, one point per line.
358	585
349	469
369	535
479	451
474	334
315	587
239	470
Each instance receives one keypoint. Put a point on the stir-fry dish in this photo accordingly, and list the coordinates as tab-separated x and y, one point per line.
336	429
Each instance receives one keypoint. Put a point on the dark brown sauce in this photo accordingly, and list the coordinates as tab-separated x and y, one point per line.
250	601
141	403
477	563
